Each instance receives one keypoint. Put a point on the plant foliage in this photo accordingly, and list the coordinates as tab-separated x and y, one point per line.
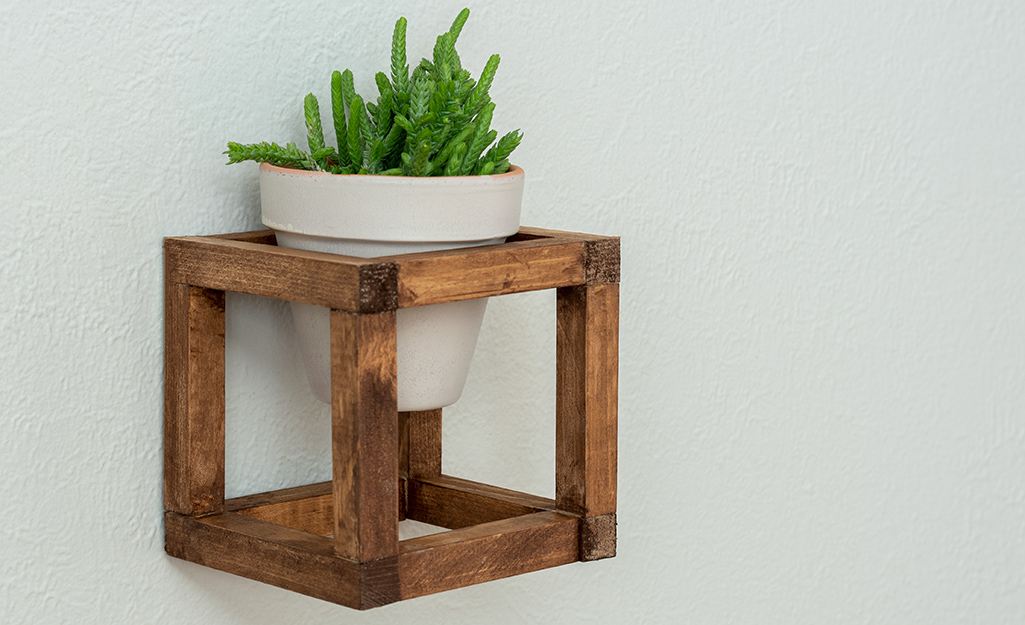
433	121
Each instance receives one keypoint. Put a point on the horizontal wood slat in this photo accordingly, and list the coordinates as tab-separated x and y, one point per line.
454	503
310	514
601	253
307	508
342	282
267	553
486	552
437	277
278	496
264	237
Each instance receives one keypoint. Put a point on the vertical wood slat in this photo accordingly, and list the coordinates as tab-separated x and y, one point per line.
419	450
424	443
587	363
193	400
364	432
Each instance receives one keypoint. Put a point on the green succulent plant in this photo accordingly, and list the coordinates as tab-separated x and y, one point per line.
435	121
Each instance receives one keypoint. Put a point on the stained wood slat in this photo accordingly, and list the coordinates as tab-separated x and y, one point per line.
364	432
564	235
436	277
263	237
271	554
587	357
274	497
486	552
419	449
342	282
598	537
454	503
423	430
310	514
309	508
601	253
193	400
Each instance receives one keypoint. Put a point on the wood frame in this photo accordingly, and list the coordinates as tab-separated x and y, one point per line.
338	540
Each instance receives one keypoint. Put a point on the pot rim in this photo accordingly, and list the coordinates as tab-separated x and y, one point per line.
514	171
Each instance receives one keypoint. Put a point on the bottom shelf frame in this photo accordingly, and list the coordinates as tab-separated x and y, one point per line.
283	538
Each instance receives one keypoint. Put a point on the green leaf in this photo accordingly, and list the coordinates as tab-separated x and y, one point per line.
479	97
444	53
446	152
504	147
354	143
338	116
314	130
421	159
455	162
288	156
418	105
348	91
376	156
481	139
399	68
457	25
383	116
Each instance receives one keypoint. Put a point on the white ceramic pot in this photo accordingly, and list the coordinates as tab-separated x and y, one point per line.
373	216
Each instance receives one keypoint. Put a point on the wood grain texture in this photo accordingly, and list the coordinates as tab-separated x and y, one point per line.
379	582
331	280
419	449
283	495
263	237
486	552
598	537
530	232
277	555
309	508
602	258
601	253
193	400
454	503
365	436
313	514
423	433
452	275
587	365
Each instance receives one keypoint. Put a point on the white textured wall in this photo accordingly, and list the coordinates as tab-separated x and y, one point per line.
823	345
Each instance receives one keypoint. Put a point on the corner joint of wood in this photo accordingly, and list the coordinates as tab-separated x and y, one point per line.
602	258
379	582
378	287
598	537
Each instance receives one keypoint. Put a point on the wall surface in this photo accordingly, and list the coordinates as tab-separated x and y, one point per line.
823	345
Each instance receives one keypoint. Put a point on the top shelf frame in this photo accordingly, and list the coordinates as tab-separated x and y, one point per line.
532	259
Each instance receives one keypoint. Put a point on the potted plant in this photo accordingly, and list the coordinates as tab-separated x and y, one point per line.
419	170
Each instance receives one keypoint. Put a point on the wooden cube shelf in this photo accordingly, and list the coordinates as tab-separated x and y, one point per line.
338	540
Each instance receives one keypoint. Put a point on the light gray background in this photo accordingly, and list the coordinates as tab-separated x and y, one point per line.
823	345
